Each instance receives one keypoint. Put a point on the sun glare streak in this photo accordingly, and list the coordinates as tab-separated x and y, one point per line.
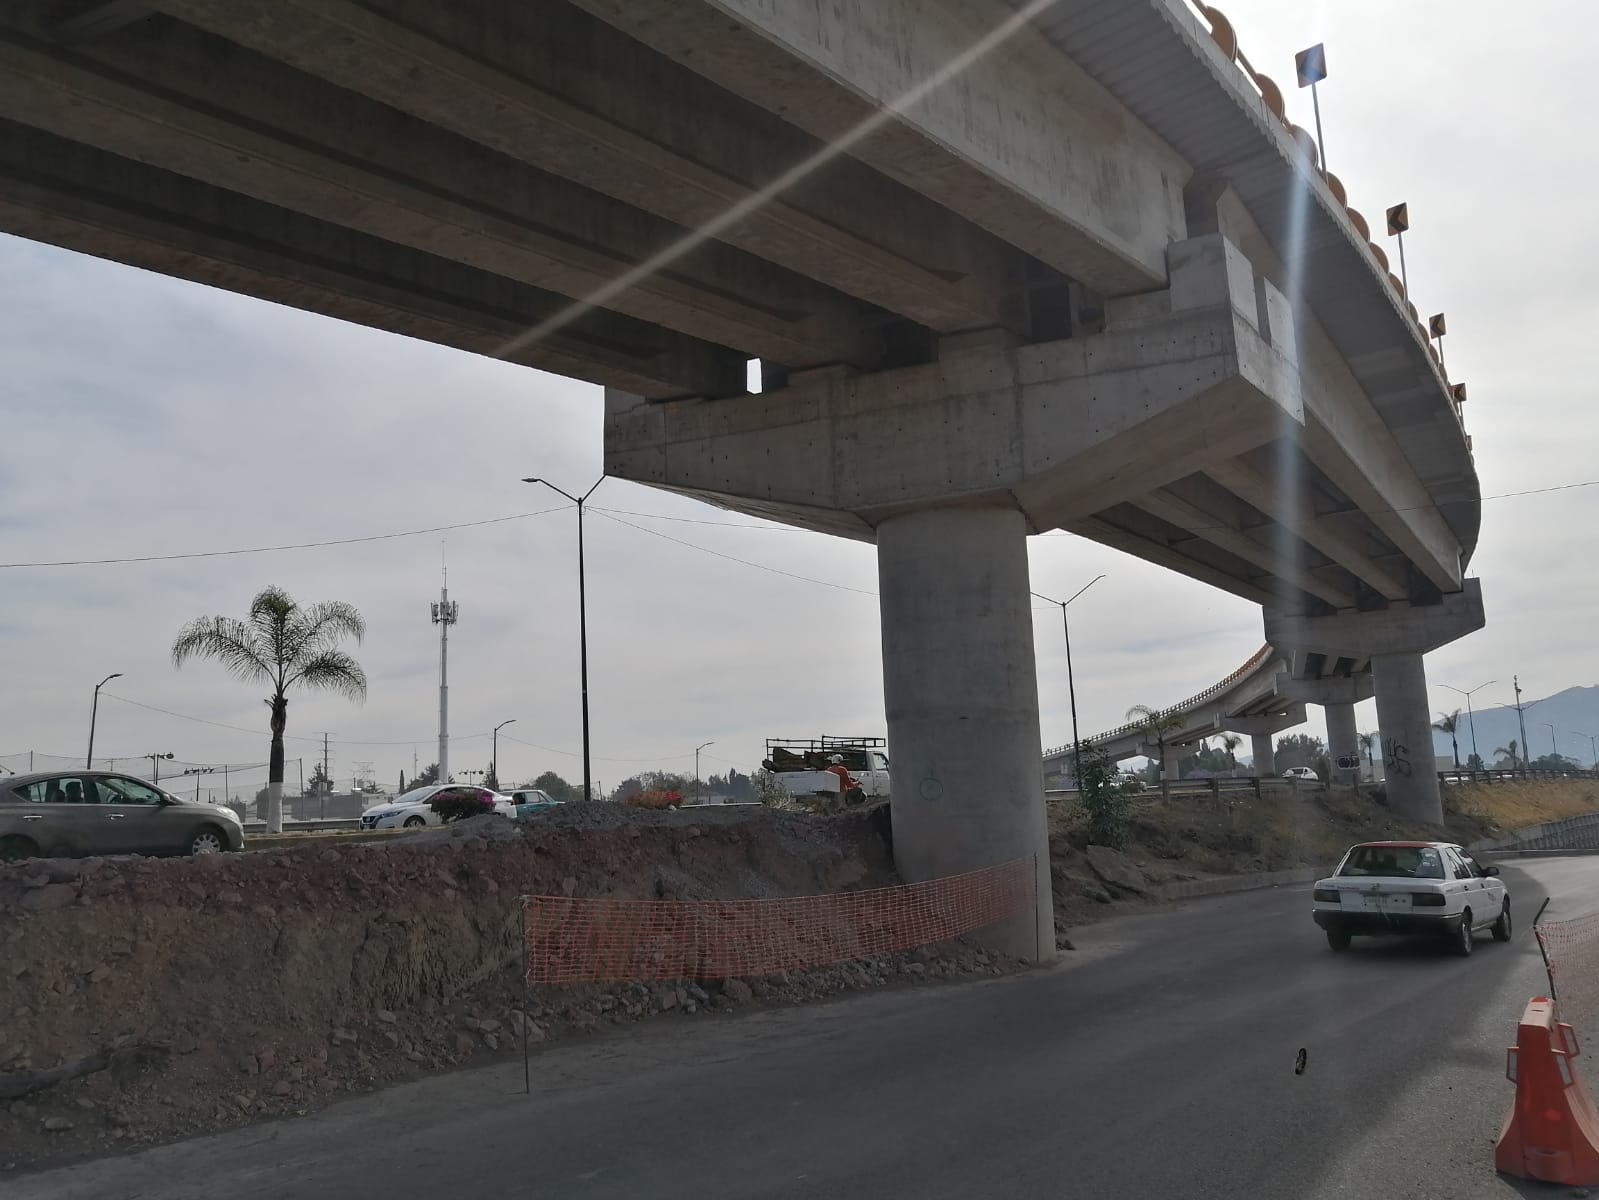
758	199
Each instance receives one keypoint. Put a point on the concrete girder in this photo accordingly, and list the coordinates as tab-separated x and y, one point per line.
74	196
1096	529
1025	144
560	91
1208	527
1293	512
761	310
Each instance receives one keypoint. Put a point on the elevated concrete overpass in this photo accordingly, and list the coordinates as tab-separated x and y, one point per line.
1006	266
1263	697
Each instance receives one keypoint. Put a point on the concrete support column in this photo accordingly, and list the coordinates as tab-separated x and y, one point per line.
961	693
1404	714
1169	769
1342	738
1265	757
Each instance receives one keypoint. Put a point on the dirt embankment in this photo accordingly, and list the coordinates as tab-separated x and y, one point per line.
233	987
1200	837
246	985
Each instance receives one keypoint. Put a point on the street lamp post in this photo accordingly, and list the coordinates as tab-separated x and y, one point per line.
697	750
1593	747
494	755
94	712
1071	686
582	619
1470	716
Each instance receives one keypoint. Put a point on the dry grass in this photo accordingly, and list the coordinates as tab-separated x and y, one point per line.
1195	837
1508	806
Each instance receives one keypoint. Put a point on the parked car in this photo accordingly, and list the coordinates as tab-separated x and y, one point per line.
414	809
1305	773
532	800
60	813
1411	887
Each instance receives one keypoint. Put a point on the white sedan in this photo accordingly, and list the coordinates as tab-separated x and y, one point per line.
415	808
1411	887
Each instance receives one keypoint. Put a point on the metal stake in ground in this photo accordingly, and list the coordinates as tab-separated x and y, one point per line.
527	1007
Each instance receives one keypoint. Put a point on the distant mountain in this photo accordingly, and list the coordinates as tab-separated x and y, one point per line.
1573	712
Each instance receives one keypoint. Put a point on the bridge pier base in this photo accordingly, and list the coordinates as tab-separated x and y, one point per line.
1337	696
1404	714
1260	749
1394	639
961	695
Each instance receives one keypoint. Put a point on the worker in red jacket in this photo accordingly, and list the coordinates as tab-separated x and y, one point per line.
845	781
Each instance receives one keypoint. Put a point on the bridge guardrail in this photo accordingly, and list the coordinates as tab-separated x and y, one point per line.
1511	774
1192	702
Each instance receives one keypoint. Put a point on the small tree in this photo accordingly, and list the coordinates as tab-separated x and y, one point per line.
770	792
319	783
1103	799
1157	727
556	788
1512	752
1368	742
1449	723
429	775
457	804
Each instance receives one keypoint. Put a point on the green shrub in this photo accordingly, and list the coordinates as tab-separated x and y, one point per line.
1103	799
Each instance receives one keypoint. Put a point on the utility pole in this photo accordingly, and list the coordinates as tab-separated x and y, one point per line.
697	750
445	614
1526	750
1071	685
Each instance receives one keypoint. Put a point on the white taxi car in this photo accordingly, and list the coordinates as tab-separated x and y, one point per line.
1411	887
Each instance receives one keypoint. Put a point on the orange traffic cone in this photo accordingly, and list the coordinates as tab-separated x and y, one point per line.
1552	1133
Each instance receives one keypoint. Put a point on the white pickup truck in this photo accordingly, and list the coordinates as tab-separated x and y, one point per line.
800	766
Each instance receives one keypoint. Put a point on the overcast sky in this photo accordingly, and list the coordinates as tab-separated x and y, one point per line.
146	416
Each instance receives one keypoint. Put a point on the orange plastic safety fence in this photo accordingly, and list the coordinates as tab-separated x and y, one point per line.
1572	950
579	939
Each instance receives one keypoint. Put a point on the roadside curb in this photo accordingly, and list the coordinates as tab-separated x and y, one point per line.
1237	883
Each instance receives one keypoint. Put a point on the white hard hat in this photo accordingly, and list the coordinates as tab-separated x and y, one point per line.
836	758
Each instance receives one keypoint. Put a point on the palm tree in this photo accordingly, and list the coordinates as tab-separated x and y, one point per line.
1368	742
283	646
1513	751
1448	723
1156	725
1230	742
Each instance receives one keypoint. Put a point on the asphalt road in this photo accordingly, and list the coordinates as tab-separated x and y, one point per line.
1158	1062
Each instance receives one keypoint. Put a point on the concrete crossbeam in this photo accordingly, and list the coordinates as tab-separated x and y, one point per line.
1275	723
1399	629
374	170
1342	689
556	89
1061	428
1023	143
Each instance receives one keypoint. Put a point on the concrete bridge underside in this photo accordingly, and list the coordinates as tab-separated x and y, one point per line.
1005	268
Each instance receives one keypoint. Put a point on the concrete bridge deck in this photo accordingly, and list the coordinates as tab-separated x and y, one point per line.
1007	267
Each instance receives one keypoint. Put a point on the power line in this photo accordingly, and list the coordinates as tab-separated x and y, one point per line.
769	527
293	737
349	541
843	587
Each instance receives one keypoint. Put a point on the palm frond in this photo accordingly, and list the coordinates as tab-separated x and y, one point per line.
271	612
321	627
232	643
333	671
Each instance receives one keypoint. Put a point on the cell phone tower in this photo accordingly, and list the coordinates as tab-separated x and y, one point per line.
445	613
